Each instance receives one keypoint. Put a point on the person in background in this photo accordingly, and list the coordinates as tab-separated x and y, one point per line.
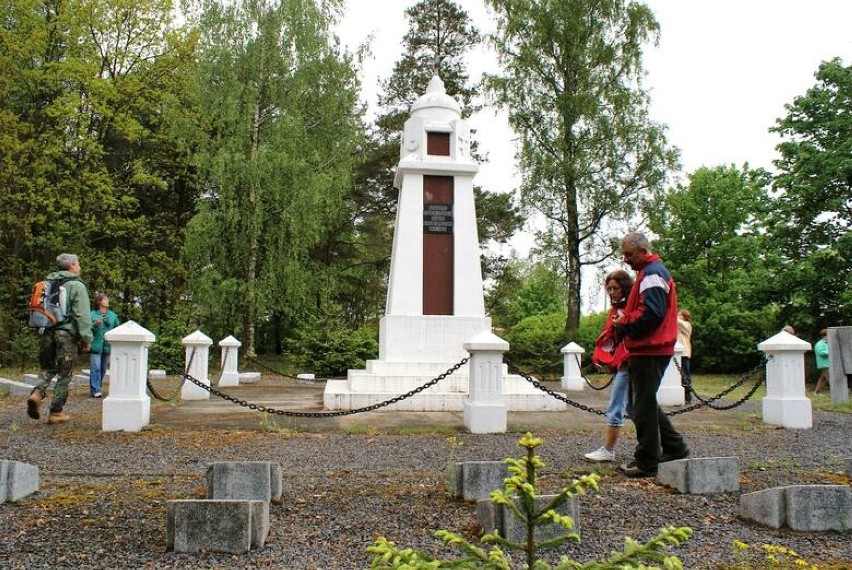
649	321
822	360
59	344
684	337
103	321
610	352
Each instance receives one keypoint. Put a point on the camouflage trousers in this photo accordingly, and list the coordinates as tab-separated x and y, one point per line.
57	358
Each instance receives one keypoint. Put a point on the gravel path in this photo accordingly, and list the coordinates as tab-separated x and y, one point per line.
103	496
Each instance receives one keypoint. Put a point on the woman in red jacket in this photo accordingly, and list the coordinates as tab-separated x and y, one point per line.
610	352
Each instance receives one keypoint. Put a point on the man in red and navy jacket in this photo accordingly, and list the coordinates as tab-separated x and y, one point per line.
649	322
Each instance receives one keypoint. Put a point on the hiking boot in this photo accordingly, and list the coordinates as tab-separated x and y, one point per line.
600	454
58	418
674	456
34	403
634	471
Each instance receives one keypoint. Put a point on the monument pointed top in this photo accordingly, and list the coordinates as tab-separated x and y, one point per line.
435	98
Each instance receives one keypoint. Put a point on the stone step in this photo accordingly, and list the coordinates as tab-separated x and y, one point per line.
701	475
216	525
248	480
474	480
499	517
800	507
17	480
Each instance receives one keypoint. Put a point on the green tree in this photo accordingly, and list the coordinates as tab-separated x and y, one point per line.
591	158
282	106
813	209
93	144
712	236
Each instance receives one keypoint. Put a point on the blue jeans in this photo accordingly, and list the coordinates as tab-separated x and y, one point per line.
98	364
617	399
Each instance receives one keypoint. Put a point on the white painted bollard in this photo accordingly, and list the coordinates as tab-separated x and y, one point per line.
785	403
484	408
127	407
230	359
572	378
671	392
199	344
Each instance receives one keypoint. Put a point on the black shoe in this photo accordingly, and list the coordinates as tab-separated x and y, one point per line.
674	456
634	472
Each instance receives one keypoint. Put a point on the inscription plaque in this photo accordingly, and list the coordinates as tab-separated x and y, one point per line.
438	218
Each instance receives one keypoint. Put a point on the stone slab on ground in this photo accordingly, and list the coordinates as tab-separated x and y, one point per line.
249	377
15	388
474	480
701	475
499	517
17	480
232	526
800	507
249	480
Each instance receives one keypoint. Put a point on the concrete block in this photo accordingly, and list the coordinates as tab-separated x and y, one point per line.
479	478
765	507
249	377
156	373
490	516
801	507
514	529
819	507
17	480
701	475
232	526
249	480
15	388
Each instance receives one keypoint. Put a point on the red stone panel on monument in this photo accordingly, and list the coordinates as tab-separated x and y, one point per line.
437	245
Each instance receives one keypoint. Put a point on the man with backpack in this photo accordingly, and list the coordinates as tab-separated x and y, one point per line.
60	342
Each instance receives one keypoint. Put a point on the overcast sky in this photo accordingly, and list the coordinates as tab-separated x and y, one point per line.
721	75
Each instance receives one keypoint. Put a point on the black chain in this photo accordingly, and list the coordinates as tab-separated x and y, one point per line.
586	379
709	401
268	410
174	396
277	372
701	401
550	392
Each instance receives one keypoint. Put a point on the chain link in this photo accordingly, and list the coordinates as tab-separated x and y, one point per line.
586	379
701	401
277	372
268	410
550	392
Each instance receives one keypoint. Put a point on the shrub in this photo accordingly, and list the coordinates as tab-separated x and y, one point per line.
519	498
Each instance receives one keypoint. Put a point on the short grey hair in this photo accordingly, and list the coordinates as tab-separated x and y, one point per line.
636	241
66	260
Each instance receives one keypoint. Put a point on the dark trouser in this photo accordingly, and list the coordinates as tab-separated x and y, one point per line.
57	357
686	376
654	432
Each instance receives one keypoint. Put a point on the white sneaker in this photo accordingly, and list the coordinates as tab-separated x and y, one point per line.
600	454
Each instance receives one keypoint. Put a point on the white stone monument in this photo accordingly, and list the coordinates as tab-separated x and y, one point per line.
671	391
230	359
435	297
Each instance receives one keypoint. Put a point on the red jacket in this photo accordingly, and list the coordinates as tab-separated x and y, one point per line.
609	348
650	316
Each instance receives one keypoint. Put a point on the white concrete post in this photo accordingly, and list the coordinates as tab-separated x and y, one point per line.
671	392
572	378
484	408
230	358
127	407
785	403
198	366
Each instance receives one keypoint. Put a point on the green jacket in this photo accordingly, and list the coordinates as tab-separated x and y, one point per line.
79	308
108	322
821	352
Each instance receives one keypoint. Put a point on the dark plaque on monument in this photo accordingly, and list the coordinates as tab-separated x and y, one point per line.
438	218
